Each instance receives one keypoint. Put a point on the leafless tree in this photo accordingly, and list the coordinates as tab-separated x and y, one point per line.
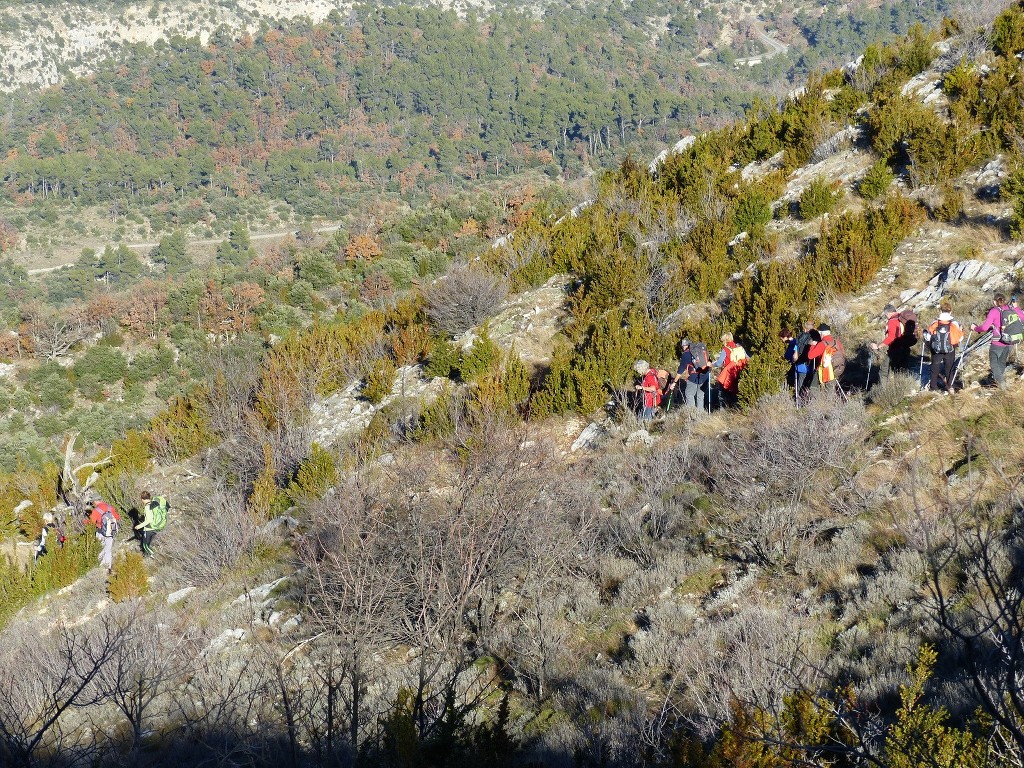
416	560
466	296
224	709
154	652
975	582
203	546
54	333
45	678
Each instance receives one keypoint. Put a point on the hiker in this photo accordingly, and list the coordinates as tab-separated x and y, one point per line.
48	524
900	338
731	360
798	357
154	520
107	522
828	357
695	372
1007	325
650	387
943	338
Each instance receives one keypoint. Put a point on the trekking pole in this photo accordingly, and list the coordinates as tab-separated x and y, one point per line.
960	360
867	384
920	368
709	393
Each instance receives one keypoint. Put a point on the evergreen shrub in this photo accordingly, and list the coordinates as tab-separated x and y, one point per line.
128	580
819	198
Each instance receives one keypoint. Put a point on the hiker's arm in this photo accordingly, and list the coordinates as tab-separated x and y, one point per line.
892	329
990	321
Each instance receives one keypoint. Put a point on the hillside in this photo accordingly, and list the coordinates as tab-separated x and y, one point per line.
417	521
194	122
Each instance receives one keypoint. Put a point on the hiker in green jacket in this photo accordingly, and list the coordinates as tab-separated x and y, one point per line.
154	519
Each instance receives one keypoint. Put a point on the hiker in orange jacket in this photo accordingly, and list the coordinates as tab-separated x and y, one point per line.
731	360
829	359
943	337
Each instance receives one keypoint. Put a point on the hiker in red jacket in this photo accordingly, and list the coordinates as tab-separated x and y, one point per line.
107	522
900	337
650	386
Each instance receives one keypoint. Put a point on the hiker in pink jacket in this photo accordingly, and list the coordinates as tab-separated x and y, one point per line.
1007	325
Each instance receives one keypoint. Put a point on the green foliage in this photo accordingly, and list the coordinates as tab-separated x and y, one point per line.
148	364
876	181
854	246
505	388
106	364
182	430
317	474
921	734
437	419
1008	31
129	580
172	254
482	355
819	198
318	269
379	380
50	385
951	206
58	568
753	210
762	375
236	250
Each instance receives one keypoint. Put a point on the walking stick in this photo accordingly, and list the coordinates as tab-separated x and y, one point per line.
867	384
920	368
960	360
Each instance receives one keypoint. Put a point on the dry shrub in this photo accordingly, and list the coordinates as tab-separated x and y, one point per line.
463	298
755	655
782	479
889	394
206	545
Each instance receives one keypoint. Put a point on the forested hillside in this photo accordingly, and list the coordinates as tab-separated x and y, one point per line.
414	517
306	120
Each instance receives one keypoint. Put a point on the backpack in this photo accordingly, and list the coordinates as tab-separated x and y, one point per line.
833	361
699	353
941	341
1011	330
908	326
109	524
738	355
158	508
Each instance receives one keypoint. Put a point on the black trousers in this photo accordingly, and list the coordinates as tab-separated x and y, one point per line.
942	370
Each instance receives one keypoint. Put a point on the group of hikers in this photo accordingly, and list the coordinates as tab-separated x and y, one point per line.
106	520
817	357
693	377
